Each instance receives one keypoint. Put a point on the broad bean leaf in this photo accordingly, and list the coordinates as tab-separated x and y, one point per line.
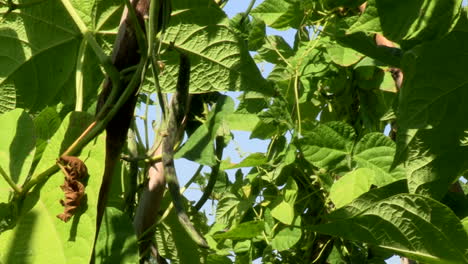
283	212
17	147
408	225
41	41
117	241
70	242
342	55
256	34
241	121
254	159
368	199
351	185
432	121
286	238
328	145
421	20
230	209
274	50
45	124
279	14
219	59
246	230
200	146
343	3
376	151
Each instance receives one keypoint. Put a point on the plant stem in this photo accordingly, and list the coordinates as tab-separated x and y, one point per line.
296	97
247	11
39	178
105	61
146	123
79	77
10	181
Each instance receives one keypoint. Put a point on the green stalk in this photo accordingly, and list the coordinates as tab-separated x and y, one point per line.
105	61
146	123
10	181
247	11
79	77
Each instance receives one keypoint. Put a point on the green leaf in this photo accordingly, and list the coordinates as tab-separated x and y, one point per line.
331	4
70	129
231	209
343	56
246	230
275	50
328	145
45	124
279	14
17	145
254	159
368	199
243	122
421	20
408	225
368	21
376	151
217	259
283	212
257	34
200	146
117	241
425	104
41	41
286	238
219	60
36	43
39	236
365	44
465	224
432	124
351	185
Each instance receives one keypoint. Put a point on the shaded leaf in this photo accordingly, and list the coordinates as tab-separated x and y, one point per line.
343	56
17	146
117	241
376	151
420	20
286	238
407	225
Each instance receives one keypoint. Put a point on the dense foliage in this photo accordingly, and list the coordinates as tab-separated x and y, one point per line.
332	186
